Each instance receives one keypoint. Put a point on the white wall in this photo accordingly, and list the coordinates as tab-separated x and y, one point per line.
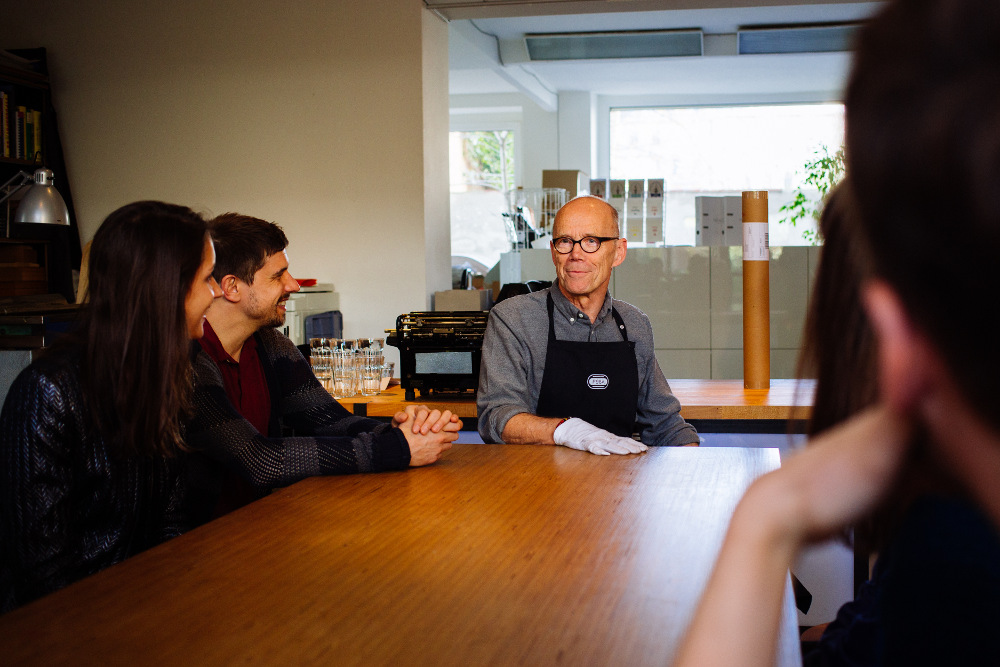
577	132
437	202
326	116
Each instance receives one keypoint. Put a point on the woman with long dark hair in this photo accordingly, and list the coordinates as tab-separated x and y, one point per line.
91	433
923	149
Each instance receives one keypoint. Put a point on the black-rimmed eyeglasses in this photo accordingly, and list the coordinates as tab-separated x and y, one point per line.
564	244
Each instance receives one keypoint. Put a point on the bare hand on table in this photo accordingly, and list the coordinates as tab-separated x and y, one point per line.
423	420
429	432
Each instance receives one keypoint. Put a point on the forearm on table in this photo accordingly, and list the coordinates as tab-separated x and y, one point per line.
745	592
529	429
658	415
669	430
837	479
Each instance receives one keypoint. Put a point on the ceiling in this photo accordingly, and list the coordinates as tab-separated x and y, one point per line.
478	31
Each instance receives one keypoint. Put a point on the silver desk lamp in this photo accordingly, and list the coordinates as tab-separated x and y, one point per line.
41	204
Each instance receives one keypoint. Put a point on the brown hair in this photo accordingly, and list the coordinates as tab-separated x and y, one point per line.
923	150
243	244
839	349
838	346
135	367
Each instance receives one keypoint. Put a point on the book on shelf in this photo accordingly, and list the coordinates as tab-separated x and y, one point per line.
19	133
36	117
29	134
5	122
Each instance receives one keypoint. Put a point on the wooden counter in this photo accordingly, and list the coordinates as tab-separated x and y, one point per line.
497	554
700	400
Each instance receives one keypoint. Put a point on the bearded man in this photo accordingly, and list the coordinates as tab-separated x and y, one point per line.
261	418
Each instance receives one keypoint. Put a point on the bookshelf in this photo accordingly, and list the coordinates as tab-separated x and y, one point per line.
34	259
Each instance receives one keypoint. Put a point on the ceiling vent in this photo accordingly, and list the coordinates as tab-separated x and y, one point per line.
611	45
797	39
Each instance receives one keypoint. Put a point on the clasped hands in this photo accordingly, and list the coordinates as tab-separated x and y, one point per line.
578	434
429	433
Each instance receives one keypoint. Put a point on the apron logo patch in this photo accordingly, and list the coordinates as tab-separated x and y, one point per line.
597	381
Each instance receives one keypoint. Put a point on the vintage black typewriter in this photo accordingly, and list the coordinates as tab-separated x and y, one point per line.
439	352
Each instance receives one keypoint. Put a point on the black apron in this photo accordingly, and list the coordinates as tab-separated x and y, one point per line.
597	382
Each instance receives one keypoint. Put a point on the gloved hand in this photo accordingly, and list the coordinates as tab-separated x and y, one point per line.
578	434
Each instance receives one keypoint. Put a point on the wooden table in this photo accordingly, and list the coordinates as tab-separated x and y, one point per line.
497	554
712	405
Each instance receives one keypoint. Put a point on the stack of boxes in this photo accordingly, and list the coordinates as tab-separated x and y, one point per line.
639	203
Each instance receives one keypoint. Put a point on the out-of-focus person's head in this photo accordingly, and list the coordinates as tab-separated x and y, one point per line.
923	154
134	330
840	351
585	270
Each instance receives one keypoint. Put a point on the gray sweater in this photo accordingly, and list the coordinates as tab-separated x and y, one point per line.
513	364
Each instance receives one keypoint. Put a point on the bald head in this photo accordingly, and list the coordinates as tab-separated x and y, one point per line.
584	276
602	216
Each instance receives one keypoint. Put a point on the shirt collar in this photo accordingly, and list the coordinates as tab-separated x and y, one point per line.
570	311
213	346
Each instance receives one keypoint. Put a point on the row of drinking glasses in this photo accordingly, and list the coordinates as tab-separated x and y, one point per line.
346	367
369	345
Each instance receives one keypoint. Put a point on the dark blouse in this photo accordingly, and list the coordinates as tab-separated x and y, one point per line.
934	598
68	506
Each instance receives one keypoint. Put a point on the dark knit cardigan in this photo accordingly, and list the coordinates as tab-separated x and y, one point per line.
310	433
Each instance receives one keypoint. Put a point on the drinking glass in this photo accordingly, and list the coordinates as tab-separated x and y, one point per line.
370	365
374	344
387	370
348	344
345	373
371	378
320	360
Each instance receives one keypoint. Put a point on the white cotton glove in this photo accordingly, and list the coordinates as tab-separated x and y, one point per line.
578	434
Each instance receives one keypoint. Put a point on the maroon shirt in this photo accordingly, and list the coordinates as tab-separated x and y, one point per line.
244	380
246	388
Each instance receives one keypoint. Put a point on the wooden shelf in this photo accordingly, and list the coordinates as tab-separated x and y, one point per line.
24	81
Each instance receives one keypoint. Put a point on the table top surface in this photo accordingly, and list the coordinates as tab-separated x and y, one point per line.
495	554
700	399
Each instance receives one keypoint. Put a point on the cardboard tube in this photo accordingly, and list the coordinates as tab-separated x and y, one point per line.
756	293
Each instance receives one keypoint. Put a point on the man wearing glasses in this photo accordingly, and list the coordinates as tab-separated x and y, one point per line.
571	366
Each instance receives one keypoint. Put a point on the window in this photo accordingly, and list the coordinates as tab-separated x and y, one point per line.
724	151
482	171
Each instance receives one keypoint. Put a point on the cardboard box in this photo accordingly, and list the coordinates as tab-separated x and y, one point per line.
573	182
462	299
